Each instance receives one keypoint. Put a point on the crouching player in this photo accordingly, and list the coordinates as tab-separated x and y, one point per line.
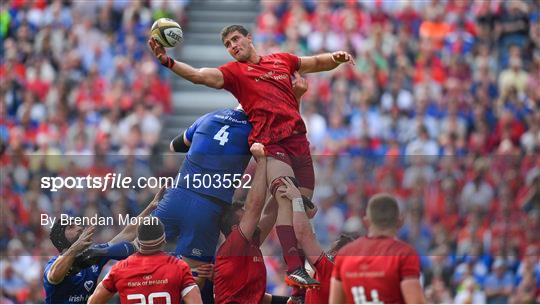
71	277
150	276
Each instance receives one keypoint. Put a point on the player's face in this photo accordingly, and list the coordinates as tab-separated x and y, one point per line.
73	232
238	45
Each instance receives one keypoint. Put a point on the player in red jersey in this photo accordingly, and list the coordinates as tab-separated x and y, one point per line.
240	272
151	276
263	86
322	262
378	268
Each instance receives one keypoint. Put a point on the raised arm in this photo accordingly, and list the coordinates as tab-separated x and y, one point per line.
63	263
256	195
324	62
268	218
302	226
210	77
130	231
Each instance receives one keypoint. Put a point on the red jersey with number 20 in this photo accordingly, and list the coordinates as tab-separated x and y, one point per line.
265	92
371	269
150	279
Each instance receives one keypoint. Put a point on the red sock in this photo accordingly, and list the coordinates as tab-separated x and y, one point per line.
288	242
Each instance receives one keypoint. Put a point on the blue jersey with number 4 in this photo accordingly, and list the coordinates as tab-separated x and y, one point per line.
218	155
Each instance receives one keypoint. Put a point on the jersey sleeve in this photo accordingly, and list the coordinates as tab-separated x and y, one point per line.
191	130
229	72
292	60
109	282
187	278
47	269
409	265
105	259
324	267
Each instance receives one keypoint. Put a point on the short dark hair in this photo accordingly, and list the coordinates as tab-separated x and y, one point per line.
233	28
151	231
229	218
383	211
344	239
58	236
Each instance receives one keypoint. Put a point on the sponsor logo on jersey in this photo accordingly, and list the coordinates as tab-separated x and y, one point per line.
88	285
196	252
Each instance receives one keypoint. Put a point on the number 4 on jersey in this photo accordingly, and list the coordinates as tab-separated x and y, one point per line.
222	135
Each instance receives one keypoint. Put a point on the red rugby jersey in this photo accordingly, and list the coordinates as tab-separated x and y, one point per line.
147	279
371	269
323	273
239	273
265	92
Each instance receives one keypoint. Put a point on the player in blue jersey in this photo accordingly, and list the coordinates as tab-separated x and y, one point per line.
71	277
217	155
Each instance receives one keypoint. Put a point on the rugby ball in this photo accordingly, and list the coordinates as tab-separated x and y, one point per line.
167	32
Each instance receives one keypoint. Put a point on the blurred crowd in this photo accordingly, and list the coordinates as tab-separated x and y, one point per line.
442	109
79	94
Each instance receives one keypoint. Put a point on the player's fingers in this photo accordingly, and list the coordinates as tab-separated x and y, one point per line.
289	181
152	44
89	230
287	184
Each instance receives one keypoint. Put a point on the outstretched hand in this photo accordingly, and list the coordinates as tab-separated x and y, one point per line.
85	240
157	198
159	52
341	57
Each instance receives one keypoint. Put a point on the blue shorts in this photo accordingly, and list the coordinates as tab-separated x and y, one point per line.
192	220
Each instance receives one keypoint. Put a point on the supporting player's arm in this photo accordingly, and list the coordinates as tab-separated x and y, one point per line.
302	226
180	143
337	296
193	296
130	231
210	77
64	262
256	195
268	219
101	295
412	291
324	62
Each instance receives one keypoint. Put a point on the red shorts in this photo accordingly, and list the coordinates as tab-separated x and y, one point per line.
294	151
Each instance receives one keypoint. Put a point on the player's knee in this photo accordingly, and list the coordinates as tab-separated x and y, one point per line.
279	184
